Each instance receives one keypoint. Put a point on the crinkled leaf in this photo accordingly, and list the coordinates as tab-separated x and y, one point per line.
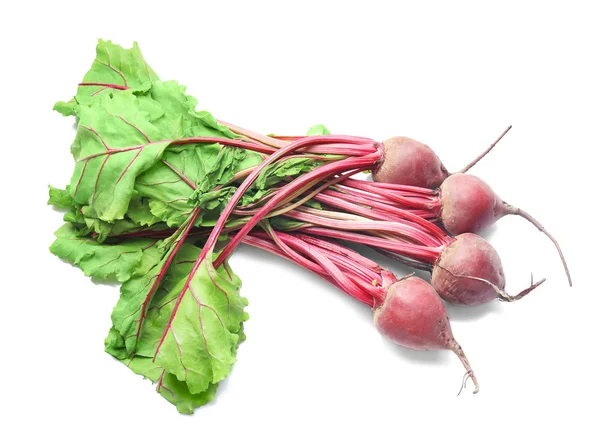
213	199
115	142
139	212
102	230
167	385
205	166
130	313
121	261
279	171
199	337
59	198
113	65
173	213
175	112
191	333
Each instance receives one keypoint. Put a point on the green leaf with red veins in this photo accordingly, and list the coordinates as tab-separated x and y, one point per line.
86	220
104	261
137	294
114	69
167	385
115	142
194	329
191	331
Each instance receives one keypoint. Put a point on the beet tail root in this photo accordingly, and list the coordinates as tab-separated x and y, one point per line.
457	349
485	152
512	210
501	294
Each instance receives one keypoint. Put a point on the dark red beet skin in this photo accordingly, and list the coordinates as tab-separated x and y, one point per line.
468	204
469	272
414	316
409	162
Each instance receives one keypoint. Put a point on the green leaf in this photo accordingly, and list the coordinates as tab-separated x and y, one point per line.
139	212
197	327
167	385
173	213
190	333
121	261
115	142
175	112
137	293
114	66
59	198
283	169
103	230
318	129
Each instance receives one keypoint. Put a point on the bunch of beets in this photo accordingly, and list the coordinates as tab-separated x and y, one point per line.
162	194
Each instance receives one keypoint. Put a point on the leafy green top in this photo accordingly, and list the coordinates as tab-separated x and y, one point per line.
135	171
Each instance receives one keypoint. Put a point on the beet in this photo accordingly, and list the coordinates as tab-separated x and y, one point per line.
414	316
469	272
409	162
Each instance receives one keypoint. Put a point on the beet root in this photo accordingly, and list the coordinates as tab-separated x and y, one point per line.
414	316
469	205
469	272
409	162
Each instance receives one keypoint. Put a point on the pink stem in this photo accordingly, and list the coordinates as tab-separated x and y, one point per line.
327	170
340	249
378	203
356	145
212	239
259	239
407	202
396	228
344	205
406	189
267	244
267	140
344	283
426	254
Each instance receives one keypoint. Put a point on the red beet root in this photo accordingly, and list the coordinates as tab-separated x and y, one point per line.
414	316
469	272
409	162
468	204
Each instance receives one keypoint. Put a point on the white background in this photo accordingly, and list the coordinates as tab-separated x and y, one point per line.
451	74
